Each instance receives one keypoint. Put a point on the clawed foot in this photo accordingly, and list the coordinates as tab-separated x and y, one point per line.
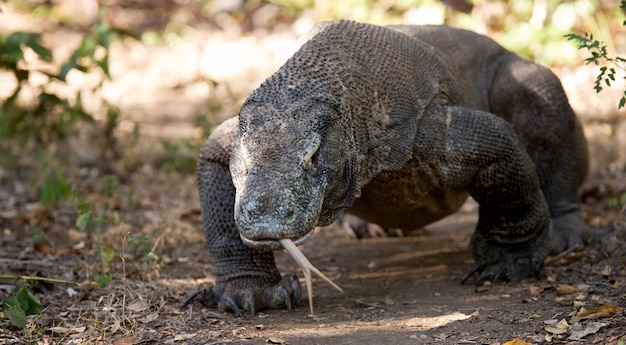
570	234
285	294
510	268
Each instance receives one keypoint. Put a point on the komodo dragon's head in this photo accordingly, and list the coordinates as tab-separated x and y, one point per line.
293	168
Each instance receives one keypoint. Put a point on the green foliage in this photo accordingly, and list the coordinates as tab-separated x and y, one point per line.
179	155
55	188
617	201
49	116
102	280
88	219
201	121
20	305
139	245
600	57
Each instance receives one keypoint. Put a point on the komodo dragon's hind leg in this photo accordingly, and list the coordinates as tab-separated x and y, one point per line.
245	277
532	99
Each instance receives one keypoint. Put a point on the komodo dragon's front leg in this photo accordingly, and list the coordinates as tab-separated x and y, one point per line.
480	153
532	99
245	278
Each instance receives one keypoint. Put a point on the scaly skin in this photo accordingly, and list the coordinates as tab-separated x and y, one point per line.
373	122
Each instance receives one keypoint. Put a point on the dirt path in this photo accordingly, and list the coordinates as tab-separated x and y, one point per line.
407	291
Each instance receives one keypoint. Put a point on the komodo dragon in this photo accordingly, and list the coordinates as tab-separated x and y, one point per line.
395	125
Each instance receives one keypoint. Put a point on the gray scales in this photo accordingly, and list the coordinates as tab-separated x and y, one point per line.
396	125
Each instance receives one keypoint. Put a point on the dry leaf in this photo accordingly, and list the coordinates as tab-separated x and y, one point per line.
126	341
483	288
275	340
137	306
71	292
536	290
59	330
516	341
555	330
592	328
606	310
566	289
149	318
184	336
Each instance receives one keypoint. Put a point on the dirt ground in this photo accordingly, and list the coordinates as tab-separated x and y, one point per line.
398	290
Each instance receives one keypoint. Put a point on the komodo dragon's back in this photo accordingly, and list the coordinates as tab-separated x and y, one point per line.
380	123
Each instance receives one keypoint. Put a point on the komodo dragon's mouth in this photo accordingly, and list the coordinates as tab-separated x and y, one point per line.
274	244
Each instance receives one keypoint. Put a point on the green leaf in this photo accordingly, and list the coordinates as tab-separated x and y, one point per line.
622	102
28	302
83	207
102	280
20	305
104	65
106	256
11	308
83	220
55	188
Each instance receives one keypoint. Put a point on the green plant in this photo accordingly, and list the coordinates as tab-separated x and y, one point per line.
55	188
102	280
21	304
600	57
49	116
87	218
139	245
179	155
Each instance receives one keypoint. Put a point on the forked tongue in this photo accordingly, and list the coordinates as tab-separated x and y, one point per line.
307	267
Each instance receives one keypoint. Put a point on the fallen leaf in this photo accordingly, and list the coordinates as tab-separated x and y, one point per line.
536	290
71	292
592	328
275	340
126	341
184	336
566	289
606	310
9	214
137	306
516	341
80	329
483	288
535	316
115	327
149	318
555	330
59	330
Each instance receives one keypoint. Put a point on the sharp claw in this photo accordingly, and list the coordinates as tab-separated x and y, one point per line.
196	296
476	268
285	296
232	305
484	276
499	275
295	287
595	235
563	254
537	271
